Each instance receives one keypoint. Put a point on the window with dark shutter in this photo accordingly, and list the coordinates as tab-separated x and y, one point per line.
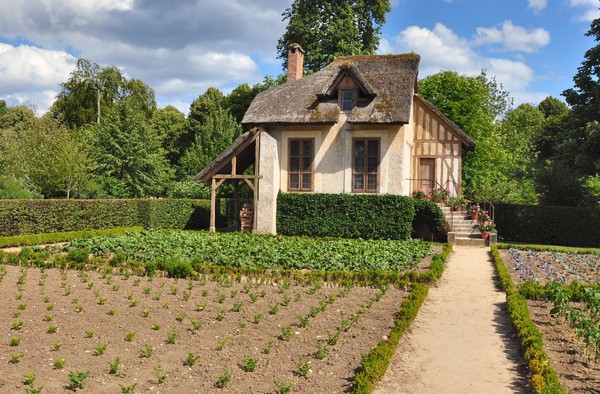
365	165
300	170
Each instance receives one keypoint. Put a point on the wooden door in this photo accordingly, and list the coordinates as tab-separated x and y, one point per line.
426	174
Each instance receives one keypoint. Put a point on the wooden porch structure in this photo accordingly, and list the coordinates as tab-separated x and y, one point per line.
231	165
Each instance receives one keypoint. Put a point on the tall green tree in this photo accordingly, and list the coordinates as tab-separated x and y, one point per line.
168	124
3	107
326	29
474	103
128	157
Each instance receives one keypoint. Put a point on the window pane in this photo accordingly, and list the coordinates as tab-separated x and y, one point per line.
372	182
295	148
373	148
294	182
294	164
359	148
359	164
372	164
307	149
359	182
306	181
347	95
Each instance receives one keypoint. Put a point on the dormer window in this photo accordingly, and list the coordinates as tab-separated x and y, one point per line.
347	99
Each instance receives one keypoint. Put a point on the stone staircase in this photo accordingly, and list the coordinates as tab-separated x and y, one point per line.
465	231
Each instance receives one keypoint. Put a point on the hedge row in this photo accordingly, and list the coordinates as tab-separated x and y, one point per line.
549	225
49	216
37	239
374	364
544	378
352	215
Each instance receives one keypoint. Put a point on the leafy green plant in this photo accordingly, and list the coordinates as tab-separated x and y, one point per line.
146	351
303	320
77	379
273	309
16	325
303	368
15	341
89	333
237	307
223	379
286	333
129	336
220	314
283	388
249	364
172	336
191	360
79	309
15	358
200	307
111	312
52	329
221	343
197	324
160	374
128	389
55	346
113	367
59	363
145	313
268	347
333	338
22	307
29	378
321	351
100	349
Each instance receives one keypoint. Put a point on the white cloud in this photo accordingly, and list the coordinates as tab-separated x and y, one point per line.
512	37
537	5
592	9
441	49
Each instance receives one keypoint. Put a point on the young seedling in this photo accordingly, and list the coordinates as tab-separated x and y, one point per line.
29	378
220	314
15	341
253	297
322	351
146	351
249	364
221	298
89	333
50	307
204	293
237	307
129	336
298	297
268	347
59	363
75	301
52	329
113	367
172	336
55	346
233	293
111	312
286	333
186	295
100	349
22	307
200	307
77	379
145	313
166	305
224	378
283	388
146	290
346	325
286	300
257	318
15	358
16	325
16	314
47	318
127	389
197	324
273	309
160	374
174	290
180	317
155	326
79	309
303	320
134	302
303	368
191	360
333	338
221	344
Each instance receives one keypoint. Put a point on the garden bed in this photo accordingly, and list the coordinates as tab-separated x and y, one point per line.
539	274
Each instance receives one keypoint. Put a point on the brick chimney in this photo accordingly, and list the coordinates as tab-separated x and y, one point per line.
295	62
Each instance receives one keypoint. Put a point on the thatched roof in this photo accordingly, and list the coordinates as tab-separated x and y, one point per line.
388	81
467	141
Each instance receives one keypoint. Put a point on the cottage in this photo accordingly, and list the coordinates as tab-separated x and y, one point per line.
357	126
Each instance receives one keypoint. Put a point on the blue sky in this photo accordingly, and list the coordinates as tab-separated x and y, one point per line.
180	48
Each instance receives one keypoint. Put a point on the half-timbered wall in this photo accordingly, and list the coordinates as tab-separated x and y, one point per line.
432	140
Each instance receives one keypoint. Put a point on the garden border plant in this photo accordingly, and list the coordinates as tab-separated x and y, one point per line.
48	238
544	378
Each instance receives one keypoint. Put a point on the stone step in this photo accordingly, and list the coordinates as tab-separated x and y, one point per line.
470	242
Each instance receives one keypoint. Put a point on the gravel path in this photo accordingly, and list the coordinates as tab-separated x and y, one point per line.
462	340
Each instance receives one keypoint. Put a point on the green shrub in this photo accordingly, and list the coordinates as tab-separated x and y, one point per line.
550	225
19	217
345	215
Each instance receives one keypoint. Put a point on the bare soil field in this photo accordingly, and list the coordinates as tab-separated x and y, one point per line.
576	368
169	335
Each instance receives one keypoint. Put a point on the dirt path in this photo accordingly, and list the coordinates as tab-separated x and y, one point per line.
462	340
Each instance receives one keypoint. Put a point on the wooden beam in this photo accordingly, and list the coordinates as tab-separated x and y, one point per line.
229	176
233	164
249	184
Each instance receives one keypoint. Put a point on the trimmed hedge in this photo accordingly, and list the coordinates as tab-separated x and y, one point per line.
19	217
37	239
352	215
544	378
551	225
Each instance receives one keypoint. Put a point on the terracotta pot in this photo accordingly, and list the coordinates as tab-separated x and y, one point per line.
458	208
474	215
485	234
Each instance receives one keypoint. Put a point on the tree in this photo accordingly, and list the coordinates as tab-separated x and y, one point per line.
326	29
3	107
168	124
127	155
474	103
44	156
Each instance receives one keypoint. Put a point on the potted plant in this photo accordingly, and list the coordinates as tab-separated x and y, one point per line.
419	194
457	203
486	229
473	211
438	195
483	217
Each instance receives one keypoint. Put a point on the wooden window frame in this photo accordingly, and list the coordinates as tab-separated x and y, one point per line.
341	97
300	188
366	158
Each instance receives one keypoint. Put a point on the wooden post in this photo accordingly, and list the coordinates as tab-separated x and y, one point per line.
256	182
236	204
213	205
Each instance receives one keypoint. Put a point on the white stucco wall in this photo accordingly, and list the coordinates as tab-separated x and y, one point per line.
269	171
